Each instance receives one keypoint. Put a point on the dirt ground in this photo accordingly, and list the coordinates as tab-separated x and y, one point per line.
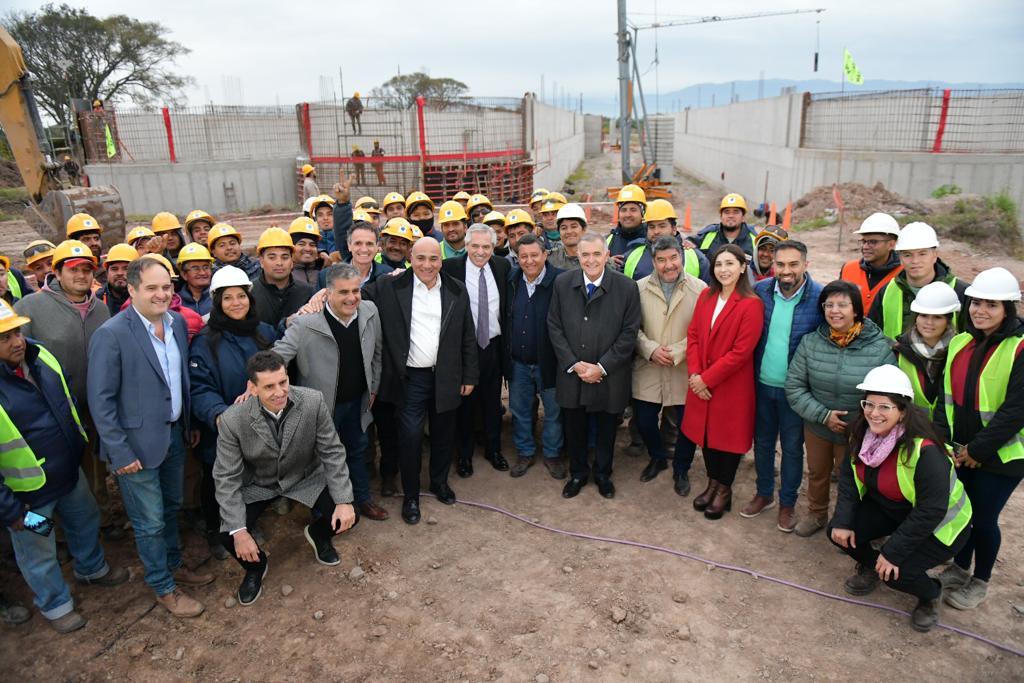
471	595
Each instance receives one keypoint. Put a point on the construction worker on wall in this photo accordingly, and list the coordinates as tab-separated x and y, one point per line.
393	205
38	255
360	165
115	293
918	249
631	231
354	109
198	224
225	244
879	263
661	222
309	184
731	229
452	218
419	209
378	166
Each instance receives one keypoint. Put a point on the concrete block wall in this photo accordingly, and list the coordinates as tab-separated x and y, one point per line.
558	143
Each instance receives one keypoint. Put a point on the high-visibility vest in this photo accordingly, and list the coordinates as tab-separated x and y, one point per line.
690	263
992	383
448	252
852	272
958	505
380	259
709	239
13	286
19	466
912	372
892	309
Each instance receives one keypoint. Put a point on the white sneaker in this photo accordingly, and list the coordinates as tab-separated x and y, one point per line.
968	596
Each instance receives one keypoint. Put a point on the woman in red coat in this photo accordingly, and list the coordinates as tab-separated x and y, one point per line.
719	415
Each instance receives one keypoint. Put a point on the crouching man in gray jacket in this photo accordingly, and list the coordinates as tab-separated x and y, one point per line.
280	442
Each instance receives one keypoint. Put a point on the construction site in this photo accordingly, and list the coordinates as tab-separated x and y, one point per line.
514	583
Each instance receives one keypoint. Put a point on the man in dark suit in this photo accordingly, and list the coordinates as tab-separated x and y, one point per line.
430	362
593	321
140	404
485	277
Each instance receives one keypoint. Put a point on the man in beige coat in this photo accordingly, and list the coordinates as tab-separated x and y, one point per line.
667	299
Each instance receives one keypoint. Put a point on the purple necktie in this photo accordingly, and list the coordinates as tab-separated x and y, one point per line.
483	333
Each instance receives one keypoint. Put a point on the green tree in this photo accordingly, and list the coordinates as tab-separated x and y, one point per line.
72	53
402	91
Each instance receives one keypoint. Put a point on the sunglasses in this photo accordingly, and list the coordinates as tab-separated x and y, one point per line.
36	250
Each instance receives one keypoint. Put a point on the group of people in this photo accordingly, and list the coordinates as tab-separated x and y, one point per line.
368	322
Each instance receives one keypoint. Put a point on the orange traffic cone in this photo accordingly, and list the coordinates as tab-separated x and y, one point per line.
771	214
687	225
787	218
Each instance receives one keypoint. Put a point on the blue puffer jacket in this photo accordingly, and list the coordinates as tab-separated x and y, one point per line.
216	383
806	316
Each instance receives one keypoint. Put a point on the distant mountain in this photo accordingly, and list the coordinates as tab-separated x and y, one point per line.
704	94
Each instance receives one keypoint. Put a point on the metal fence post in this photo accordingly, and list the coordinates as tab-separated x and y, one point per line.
421	124
170	134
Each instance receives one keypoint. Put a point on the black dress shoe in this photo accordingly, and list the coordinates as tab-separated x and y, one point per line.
606	488
573	486
682	485
444	493
323	550
252	585
464	468
655	466
498	462
411	510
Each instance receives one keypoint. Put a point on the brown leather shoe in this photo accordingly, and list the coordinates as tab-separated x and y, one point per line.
371	510
187	577
701	502
756	506
787	519
181	605
721	503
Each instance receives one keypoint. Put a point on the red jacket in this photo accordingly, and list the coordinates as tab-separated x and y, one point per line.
724	358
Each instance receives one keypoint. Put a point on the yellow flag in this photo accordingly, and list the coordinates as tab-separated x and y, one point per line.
850	69
111	148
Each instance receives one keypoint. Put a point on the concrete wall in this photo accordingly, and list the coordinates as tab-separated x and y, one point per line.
212	186
592	133
558	143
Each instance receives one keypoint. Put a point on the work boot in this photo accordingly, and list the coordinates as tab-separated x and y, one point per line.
181	605
810	525
522	464
186	577
720	504
704	499
72	621
756	506
863	582
953	577
925	615
969	595
556	468
115	577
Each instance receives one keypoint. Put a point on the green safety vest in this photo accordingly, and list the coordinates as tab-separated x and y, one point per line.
380	259
12	285
910	370
991	387
709	239
958	505
20	468
690	263
892	309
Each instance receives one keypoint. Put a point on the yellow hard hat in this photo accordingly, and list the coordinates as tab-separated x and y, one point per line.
415	198
399	227
72	249
461	195
550	205
137	233
517	216
193	251
368	204
82	222
356	94
6	261
631	193
417	234
660	210
494	217
274	237
37	250
557	197
392	198
164	262
221	230
303	226
479	200
9	320
450	211
733	201
359	215
307	169
319	201
165	221
122	253
539	195
198	215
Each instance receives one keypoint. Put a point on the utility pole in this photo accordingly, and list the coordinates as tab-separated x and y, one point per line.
624	88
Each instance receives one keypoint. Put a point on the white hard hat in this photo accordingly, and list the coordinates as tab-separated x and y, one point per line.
879	223
307	205
936	298
917	236
995	284
887	379
229	276
571	211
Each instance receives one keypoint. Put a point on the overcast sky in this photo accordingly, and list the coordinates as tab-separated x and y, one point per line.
277	51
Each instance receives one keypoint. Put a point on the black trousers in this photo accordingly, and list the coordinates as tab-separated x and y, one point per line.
872	523
386	425
319	528
208	502
721	465
419	406
575	427
485	400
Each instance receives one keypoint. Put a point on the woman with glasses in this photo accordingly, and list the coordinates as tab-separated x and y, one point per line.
822	384
981	413
899	485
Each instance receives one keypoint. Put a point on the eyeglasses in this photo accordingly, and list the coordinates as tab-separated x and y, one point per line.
199	268
882	408
872	243
837	305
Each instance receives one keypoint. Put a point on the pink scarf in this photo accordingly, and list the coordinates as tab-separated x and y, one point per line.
875	449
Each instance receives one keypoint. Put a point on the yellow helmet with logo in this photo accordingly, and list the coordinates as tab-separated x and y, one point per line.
631	193
479	200
221	230
165	221
37	250
319	201
72	249
539	195
494	217
392	198
361	216
368	204
163	261
274	237
193	251
198	215
399	227
9	320
304	226
450	211
122	253
557	197
461	196
82	223
660	210
733	201
415	198
137	233
517	216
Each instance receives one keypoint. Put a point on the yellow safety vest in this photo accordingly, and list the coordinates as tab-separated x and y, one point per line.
958	505
13	286
991	387
709	239
911	371
20	468
690	263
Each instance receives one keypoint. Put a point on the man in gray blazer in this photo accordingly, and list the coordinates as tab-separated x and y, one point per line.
593	322
279	442
139	399
342	361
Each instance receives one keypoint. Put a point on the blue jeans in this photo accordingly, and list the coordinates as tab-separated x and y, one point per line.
347	420
37	555
152	499
524	385
646	415
776	420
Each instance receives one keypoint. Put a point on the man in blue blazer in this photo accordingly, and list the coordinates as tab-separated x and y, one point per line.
139	399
